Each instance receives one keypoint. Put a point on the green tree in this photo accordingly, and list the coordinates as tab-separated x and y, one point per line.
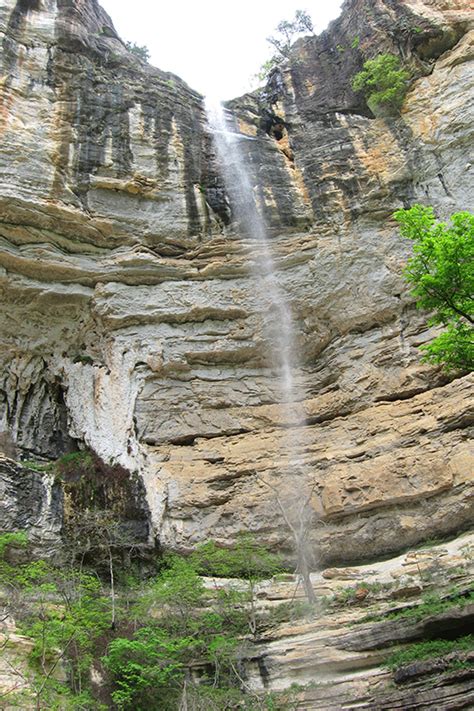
140	51
442	273
148	670
180	592
285	34
64	613
384	83
264	71
69	615
247	561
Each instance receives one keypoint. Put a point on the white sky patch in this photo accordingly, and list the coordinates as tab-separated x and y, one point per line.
216	47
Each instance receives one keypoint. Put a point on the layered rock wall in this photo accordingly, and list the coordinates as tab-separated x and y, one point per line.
31	501
131	322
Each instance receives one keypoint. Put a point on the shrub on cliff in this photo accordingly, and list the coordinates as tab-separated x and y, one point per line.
189	652
286	33
63	612
384	83
442	273
140	51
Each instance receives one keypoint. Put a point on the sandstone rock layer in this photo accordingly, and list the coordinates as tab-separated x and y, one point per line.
131	320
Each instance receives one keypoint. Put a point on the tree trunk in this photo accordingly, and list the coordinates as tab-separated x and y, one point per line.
304	571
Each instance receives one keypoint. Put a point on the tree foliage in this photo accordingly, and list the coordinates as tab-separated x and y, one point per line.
285	34
266	68
287	31
148	670
64	612
140	51
178	643
442	274
193	633
384	82
247	560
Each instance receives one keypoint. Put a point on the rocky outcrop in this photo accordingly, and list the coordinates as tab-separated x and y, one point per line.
31	501
131	322
372	487
338	655
80	501
357	170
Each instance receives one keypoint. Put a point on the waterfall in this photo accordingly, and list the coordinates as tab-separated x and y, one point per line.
278	325
280	329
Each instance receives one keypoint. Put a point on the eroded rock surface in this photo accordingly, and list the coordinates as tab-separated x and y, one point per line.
338	654
31	501
131	322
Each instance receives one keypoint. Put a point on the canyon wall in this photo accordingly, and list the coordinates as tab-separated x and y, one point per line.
132	324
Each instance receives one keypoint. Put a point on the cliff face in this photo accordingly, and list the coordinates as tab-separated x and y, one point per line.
130	320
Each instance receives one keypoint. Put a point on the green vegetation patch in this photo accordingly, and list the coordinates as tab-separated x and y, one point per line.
384	83
432	605
246	560
430	649
64	611
175	643
441	272
140	51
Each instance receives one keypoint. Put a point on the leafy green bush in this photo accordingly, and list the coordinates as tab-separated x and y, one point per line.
246	560
148	670
36	466
384	83
433	604
430	649
75	464
7	540
140	51
442	273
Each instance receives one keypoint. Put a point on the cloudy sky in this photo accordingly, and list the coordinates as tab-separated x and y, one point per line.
216	47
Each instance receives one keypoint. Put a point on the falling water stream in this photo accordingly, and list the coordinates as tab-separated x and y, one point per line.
278	323
251	223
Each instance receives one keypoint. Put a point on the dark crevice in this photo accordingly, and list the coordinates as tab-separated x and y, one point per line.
184	441
320	419
28	5
459	422
189	440
407	395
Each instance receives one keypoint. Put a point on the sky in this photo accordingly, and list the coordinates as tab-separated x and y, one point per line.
215	46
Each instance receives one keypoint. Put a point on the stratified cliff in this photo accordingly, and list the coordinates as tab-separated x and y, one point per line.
131	322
